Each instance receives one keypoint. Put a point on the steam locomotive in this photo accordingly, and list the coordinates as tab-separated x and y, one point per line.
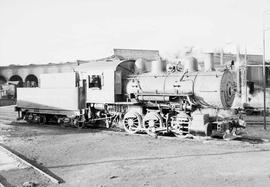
140	95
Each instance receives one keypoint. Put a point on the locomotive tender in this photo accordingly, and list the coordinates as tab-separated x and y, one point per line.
140	95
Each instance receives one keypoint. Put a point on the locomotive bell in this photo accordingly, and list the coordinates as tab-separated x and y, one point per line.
190	64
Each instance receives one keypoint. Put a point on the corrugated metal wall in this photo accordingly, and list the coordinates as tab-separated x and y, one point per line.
255	74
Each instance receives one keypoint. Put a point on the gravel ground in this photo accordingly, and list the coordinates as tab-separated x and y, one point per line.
100	157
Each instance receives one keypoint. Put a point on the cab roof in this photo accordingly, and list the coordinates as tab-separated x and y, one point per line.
103	64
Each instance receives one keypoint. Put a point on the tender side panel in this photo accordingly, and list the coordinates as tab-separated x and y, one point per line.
58	80
53	99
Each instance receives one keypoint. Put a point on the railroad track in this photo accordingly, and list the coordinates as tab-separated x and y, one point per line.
8	113
22	159
257	122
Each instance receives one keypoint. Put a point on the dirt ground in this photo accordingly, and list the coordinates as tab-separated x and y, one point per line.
100	157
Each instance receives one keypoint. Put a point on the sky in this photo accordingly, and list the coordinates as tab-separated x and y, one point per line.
53	31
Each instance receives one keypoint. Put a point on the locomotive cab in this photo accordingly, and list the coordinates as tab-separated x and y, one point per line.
105	80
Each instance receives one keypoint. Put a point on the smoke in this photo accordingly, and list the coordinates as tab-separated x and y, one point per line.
237	102
256	100
172	57
177	55
253	100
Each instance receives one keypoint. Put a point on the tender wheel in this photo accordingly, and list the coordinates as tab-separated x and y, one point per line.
29	118
132	122
208	129
75	122
81	125
64	122
36	119
152	123
43	119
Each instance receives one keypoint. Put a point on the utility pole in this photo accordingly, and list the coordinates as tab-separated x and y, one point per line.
246	70
264	74
264	84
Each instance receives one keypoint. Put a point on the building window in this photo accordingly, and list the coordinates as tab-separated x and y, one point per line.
94	81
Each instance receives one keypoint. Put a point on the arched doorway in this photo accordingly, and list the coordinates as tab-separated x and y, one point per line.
2	80
17	78
31	81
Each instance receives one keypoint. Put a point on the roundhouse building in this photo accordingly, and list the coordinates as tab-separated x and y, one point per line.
29	75
254	66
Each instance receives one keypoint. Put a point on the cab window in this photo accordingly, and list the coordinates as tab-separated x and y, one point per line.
94	81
